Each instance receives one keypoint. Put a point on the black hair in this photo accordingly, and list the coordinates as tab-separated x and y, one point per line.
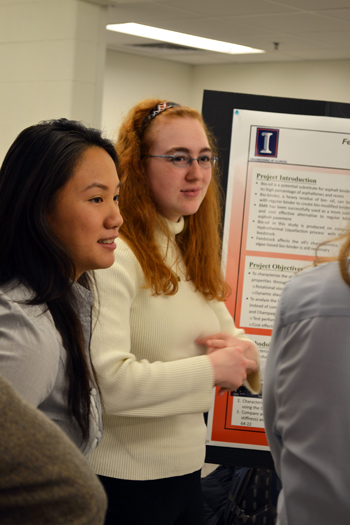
41	160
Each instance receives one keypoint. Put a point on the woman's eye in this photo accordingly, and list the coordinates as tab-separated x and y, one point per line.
116	198
205	158
180	158
96	199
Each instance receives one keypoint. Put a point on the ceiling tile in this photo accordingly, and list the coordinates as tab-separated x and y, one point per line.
229	7
146	13
313	5
297	22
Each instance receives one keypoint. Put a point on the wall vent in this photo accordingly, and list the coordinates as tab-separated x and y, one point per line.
166	46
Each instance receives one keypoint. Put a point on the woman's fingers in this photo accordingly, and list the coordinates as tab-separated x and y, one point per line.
230	367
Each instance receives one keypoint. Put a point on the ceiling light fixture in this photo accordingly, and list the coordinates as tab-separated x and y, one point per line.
181	38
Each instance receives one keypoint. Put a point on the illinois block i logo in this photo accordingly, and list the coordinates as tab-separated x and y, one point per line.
266	142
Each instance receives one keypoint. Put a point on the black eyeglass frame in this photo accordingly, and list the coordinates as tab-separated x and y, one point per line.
212	162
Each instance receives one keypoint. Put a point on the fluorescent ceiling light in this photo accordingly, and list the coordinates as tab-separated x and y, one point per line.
181	38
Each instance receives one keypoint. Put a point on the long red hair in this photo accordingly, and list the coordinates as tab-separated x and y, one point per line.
200	240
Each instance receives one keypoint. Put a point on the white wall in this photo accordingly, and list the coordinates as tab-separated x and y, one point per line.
317	80
129	78
51	63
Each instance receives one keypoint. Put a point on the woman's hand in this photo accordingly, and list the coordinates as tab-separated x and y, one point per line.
230	367
232	359
222	340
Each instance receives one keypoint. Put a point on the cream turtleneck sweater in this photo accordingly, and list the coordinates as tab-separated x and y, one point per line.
155	381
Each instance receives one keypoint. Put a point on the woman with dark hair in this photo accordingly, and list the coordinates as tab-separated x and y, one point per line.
162	307
59	219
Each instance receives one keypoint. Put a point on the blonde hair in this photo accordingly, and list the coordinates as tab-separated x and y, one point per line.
200	240
342	257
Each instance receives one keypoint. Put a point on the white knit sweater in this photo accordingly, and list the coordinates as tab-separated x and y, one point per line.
155	381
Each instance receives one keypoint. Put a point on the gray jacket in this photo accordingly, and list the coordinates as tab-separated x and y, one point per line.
33	359
306	398
44	479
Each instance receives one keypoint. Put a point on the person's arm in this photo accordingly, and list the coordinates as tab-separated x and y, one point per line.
29	351
141	388
43	476
306	393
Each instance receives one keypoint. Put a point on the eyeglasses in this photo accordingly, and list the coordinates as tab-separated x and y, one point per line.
183	160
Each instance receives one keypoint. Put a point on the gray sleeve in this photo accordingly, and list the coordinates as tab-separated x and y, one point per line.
43	476
29	351
307	418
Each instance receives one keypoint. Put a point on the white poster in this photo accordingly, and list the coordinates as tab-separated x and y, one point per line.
288	192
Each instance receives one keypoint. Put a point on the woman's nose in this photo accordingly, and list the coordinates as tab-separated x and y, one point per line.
114	219
194	170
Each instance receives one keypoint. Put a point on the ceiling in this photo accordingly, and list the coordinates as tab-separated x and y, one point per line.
288	30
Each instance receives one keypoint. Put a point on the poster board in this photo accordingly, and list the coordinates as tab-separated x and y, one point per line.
286	178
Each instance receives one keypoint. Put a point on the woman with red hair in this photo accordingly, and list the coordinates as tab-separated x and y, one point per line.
164	337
